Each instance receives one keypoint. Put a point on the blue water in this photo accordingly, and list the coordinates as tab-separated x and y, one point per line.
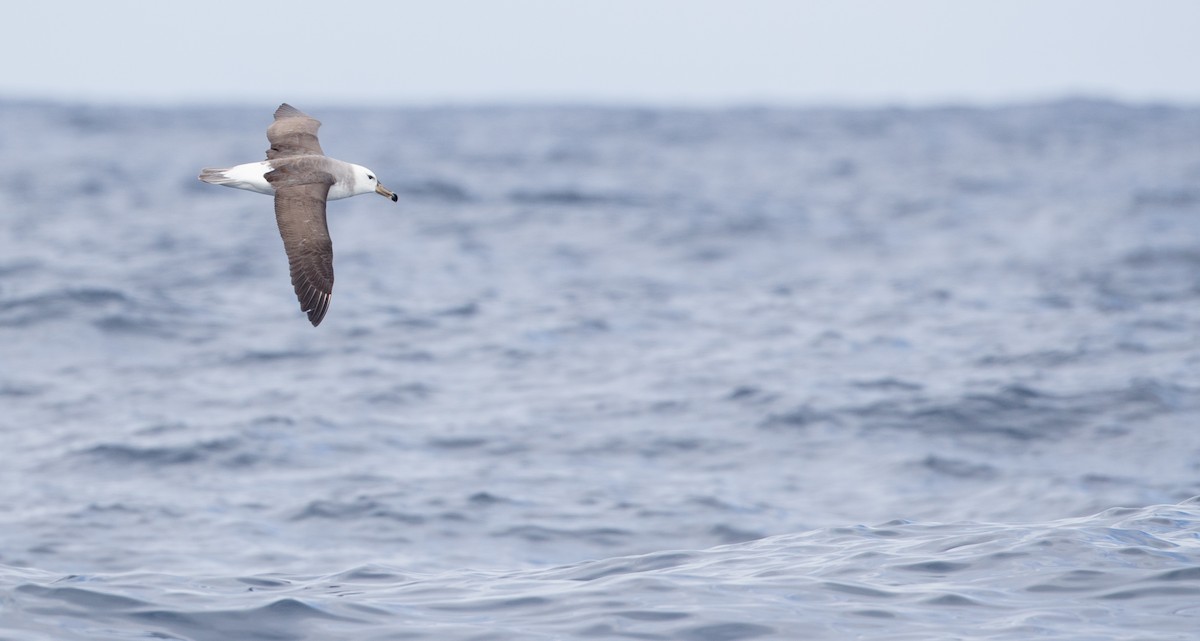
607	373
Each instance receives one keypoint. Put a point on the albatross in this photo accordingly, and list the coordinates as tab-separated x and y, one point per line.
302	178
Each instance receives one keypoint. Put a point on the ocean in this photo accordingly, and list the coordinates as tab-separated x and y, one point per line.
606	373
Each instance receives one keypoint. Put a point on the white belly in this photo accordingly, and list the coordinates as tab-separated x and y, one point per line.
250	177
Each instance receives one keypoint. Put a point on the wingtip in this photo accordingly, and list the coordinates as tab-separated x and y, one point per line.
287	111
317	309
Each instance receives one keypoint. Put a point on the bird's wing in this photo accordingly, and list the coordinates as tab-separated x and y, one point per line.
300	212
294	133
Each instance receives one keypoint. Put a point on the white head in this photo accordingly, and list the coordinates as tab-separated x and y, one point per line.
365	182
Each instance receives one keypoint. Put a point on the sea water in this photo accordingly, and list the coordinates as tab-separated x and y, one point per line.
754	373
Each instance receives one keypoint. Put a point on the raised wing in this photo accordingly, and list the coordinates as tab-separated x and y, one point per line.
294	133
300	212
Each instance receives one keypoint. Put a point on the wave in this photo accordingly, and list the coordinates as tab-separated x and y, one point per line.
1065	579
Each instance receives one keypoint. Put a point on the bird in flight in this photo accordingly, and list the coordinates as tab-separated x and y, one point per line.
302	178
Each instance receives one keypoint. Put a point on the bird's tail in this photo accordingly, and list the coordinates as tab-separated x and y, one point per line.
216	176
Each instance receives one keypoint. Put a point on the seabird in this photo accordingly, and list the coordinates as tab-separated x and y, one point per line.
302	178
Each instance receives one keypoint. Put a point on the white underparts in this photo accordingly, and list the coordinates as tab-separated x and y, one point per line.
251	177
248	176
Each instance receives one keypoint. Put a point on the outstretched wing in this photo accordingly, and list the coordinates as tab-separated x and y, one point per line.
294	133
300	212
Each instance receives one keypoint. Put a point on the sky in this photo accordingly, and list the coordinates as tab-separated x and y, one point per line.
657	52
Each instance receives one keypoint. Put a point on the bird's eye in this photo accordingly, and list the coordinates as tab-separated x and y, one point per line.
370	177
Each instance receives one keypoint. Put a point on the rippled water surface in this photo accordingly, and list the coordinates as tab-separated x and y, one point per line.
607	373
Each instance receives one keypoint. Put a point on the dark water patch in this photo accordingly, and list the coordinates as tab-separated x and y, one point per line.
1016	412
358	509
19	267
112	511
875	532
676	445
136	325
1169	198
1152	591
750	394
715	503
1042	358
372	574
404	319
749	225
602	536
20	390
959	468
1158	257
608	631
655	562
1153	275
980	185
874	614
889	384
436	190
506	605
286	619
466	310
653	615
457	442
726	632
484	499
952	600
1182	574
273	421
936	568
96	120
570	153
710	254
408	355
81	597
1054	301
267	357
916	207
60	305
575	329
1080	580
264	582
162	455
1104	479
726	533
403	394
1148	396
858	590
572	198
799	417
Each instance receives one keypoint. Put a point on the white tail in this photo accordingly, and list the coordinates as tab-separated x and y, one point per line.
248	176
215	176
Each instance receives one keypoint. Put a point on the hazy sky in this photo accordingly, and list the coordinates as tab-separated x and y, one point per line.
647	51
